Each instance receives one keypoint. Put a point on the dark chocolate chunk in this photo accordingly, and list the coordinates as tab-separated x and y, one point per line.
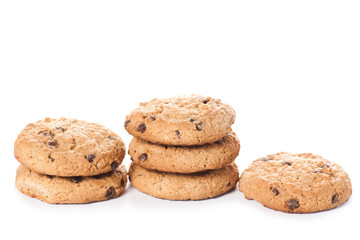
141	128
52	159
143	157
192	120
166	147
53	143
275	191
75	179
126	123
199	126
114	165
110	193
205	101
152	117
177	133
61	128
335	198
293	204
287	163
90	157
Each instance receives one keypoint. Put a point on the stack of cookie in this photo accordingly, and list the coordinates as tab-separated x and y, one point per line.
183	148
69	161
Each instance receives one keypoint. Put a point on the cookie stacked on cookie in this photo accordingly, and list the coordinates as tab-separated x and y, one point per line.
183	148
69	161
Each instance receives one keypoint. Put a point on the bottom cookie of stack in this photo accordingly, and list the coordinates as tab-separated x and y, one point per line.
64	190
177	186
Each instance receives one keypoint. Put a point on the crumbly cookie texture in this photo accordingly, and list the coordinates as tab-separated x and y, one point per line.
296	183
185	159
176	186
183	120
64	190
69	147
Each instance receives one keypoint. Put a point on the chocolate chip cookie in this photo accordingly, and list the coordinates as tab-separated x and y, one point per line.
296	183
185	159
61	190
183	120
177	186
69	147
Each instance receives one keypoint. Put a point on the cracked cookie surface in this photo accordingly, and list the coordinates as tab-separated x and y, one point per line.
64	190
185	159
177	186
182	120
296	183
69	147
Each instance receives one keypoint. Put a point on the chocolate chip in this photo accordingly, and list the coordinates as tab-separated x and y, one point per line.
152	117
126	123
143	157
177	133
228	184
287	163
110	193
192	120
75	179
122	182
335	198
199	126
166	147
293	204
317	171
114	165
90	157
264	159
205	101
61	128
275	191
53	143
52	159
141	128
45	133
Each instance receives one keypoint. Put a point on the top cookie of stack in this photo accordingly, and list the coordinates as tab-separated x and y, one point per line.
181	121
189	142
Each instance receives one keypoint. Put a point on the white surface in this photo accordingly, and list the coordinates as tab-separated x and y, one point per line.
289	68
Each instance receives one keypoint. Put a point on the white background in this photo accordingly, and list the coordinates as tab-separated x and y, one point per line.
291	70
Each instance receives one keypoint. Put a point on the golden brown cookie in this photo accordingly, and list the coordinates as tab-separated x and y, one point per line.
63	190
183	120
296	183
185	159
177	186
69	147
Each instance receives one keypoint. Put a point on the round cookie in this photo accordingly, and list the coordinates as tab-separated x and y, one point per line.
185	159
61	190
295	183
183	120
69	147
177	186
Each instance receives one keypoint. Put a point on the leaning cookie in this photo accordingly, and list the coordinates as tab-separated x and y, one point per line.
296	183
185	159
69	147
177	186
183	120
62	190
